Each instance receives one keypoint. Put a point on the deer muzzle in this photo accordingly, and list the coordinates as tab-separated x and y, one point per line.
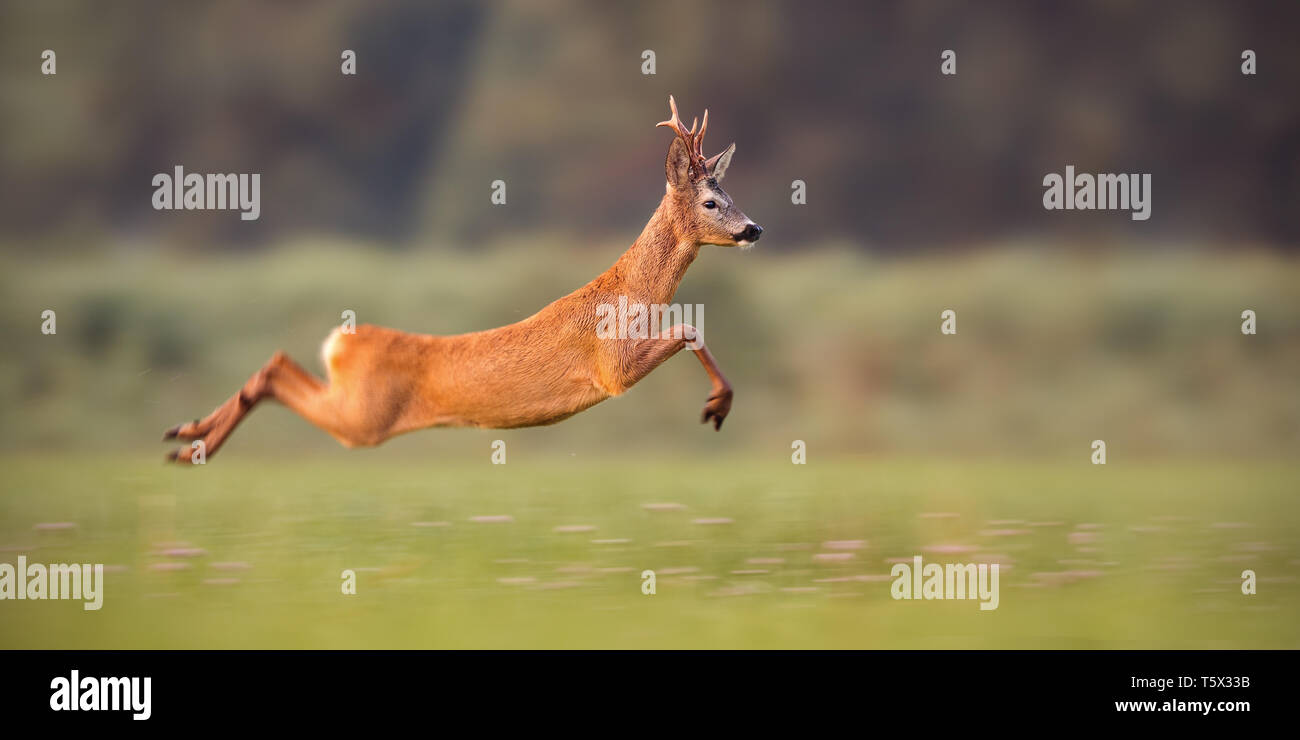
749	234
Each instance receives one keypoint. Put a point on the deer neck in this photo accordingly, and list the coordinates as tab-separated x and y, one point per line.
654	266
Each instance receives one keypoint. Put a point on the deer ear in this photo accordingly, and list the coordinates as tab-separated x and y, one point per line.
678	166
719	162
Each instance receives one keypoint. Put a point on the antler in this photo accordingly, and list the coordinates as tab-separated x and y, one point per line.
694	142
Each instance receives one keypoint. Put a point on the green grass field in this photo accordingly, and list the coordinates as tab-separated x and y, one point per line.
977	441
248	552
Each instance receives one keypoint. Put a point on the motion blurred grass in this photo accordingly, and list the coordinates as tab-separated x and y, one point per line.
992	426
1126	555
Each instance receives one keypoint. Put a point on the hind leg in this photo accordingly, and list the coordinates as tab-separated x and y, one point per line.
281	379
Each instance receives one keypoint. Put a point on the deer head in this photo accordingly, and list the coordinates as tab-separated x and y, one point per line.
705	211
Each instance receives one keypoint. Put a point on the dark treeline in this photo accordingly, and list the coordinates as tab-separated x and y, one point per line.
550	97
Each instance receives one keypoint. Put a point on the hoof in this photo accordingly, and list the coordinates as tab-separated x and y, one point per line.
175	431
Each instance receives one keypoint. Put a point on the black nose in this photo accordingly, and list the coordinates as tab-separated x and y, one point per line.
751	233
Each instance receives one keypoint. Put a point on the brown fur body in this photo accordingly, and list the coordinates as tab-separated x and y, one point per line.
383	382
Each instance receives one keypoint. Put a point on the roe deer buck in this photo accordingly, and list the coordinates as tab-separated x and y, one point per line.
546	368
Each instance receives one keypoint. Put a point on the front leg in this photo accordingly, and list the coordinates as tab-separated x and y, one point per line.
647	354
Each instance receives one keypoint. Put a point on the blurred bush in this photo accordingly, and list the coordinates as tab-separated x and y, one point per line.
1055	347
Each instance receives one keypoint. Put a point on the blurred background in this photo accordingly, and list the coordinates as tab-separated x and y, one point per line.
924	193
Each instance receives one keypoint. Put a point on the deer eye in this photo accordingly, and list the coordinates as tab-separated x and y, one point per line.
710	204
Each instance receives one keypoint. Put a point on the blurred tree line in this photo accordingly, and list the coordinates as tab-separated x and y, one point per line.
550	97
